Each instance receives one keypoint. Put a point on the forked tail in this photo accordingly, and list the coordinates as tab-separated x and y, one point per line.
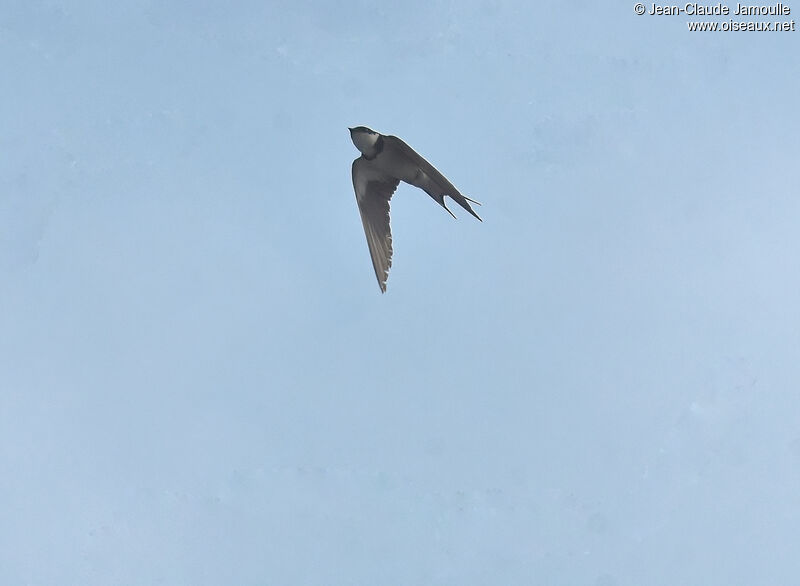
463	201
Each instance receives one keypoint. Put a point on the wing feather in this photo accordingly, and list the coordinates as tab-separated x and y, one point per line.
374	190
443	185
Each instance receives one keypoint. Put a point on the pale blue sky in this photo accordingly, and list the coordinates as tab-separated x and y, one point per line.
200	382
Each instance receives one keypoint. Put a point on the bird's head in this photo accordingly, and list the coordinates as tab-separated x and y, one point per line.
365	139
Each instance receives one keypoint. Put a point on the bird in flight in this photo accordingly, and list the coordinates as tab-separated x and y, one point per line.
385	161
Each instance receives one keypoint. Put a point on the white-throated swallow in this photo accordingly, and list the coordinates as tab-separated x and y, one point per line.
385	161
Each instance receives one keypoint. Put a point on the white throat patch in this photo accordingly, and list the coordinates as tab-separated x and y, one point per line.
365	142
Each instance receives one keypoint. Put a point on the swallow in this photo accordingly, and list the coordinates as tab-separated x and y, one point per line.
385	161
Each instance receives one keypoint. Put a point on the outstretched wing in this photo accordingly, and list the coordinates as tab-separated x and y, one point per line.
374	189
437	185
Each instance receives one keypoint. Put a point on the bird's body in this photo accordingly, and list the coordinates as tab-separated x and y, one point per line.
384	162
